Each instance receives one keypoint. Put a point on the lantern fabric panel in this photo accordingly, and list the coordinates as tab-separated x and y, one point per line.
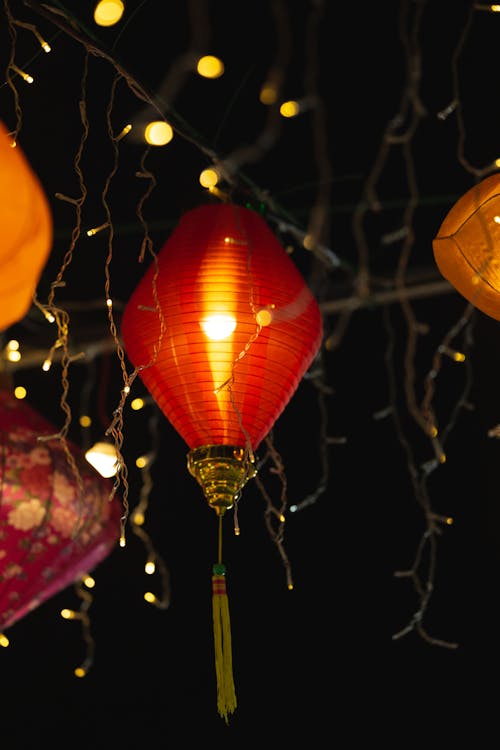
222	260
51	533
467	246
27	230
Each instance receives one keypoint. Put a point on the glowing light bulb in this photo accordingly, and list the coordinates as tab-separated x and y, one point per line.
108	12
158	133
20	392
218	327
210	67
136	404
4	641
85	421
268	93
103	457
150	567
209	178
149	597
264	317
289	109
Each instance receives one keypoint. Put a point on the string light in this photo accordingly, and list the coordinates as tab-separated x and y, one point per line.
25	76
158	133
95	230
4	641
210	66
124	132
108	12
20	392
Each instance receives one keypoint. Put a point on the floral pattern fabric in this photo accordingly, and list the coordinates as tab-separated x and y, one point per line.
58	517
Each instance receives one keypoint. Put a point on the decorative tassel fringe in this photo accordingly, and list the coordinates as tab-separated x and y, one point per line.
226	696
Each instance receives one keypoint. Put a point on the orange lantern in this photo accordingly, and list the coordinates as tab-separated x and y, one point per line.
467	246
222	328
26	223
52	531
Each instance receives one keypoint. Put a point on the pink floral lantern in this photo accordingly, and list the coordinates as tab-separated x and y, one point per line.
57	521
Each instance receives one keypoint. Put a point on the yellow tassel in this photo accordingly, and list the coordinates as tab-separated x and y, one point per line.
226	696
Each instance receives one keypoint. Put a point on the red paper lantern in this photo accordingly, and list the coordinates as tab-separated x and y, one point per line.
26	223
238	328
222	328
467	246
41	508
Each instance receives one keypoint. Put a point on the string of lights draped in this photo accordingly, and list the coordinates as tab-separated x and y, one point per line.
412	399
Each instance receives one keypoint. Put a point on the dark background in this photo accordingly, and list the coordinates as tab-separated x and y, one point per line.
318	664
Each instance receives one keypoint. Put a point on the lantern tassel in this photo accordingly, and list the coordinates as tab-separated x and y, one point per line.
226	695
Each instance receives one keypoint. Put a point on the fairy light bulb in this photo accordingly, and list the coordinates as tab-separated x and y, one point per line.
209	178
210	66
4	641
268	93
290	109
108	12
158	133
150	567
103	457
20	392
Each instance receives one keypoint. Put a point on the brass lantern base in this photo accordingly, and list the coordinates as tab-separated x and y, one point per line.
222	471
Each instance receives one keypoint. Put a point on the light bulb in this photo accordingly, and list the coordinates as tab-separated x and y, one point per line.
218	327
108	12
102	456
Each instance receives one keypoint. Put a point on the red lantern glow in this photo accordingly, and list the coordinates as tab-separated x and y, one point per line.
51	532
237	330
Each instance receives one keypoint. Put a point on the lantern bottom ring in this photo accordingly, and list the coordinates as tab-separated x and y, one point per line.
222	471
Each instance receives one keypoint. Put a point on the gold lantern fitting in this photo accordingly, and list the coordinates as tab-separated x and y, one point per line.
222	471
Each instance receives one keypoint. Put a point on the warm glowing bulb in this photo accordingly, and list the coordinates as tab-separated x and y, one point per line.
12	345
268	94
149	597
138	518
20	392
136	404
150	567
289	109
47	365
141	462
218	327
85	421
158	133
264	317
80	672
108	12
89	582
13	355
103	457
4	641
209	178
68	614
210	67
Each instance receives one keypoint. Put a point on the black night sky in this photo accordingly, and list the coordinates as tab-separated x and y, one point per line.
358	653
